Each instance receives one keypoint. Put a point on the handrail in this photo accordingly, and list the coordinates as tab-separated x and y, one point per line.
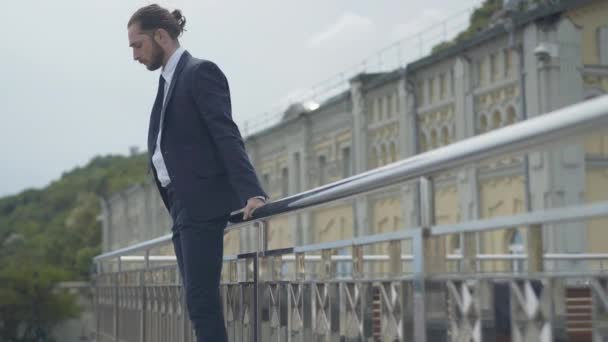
517	138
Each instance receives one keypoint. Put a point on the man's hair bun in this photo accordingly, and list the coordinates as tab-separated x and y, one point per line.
179	17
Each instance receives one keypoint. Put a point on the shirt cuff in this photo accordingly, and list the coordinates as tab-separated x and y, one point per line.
262	198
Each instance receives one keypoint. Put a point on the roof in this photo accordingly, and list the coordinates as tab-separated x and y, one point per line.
373	80
520	19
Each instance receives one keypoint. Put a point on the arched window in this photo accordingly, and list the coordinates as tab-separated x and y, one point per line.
483	124
433	139
383	156
373	160
445	136
423	142
393	152
496	120
511	115
455	244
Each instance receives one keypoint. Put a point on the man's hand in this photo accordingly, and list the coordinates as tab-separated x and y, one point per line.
252	204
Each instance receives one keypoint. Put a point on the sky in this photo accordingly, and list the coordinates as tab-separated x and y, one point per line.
71	90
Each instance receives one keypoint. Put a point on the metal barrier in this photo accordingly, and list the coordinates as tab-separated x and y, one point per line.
332	291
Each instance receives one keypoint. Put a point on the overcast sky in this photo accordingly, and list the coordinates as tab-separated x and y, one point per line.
70	89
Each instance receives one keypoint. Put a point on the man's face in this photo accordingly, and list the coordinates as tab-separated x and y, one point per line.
145	49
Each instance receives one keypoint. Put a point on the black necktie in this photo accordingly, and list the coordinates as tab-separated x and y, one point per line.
156	110
158	104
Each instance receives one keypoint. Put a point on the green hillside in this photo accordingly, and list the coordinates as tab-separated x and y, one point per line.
50	235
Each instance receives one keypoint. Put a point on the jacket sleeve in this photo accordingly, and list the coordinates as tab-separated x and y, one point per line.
212	97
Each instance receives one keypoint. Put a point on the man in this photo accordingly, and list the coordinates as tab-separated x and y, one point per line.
198	159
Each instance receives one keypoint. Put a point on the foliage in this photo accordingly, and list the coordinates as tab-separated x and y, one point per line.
480	20
50	235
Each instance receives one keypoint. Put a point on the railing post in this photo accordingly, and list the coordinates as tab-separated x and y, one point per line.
394	262
357	260
424	250
468	249
262	246
300	266
534	246
434	247
187	329
116	300
97	303
142	285
419	285
328	267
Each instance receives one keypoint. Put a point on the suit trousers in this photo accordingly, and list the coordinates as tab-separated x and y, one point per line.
199	249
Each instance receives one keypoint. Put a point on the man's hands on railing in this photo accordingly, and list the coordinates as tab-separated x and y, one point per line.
252	204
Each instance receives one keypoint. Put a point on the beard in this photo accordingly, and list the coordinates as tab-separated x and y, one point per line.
156	61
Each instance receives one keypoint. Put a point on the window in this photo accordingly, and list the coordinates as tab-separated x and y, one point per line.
380	108
442	86
508	63
602	44
516	246
496	120
483	124
452	82
431	90
511	116
347	169
373	160
456	248
389	106
420	93
423	143
396	103
322	166
479	70
393	152
493	68
445	136
376	113
284	182
296	173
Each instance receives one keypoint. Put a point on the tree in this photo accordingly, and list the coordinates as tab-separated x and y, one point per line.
29	301
480	20
51	235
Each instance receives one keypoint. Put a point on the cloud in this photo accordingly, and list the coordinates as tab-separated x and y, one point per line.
349	25
420	23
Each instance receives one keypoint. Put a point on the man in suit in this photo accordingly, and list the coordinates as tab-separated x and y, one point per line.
197	157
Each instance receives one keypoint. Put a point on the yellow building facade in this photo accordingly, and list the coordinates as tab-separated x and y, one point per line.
471	88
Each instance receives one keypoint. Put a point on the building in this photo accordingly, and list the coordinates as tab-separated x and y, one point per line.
524	65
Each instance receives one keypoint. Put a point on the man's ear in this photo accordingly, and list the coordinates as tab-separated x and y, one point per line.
157	36
163	35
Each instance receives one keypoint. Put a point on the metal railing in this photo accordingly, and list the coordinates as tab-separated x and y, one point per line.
334	291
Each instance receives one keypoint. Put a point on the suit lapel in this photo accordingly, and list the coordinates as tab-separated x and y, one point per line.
178	70
157	120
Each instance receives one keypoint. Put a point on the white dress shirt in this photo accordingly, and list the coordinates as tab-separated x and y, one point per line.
157	157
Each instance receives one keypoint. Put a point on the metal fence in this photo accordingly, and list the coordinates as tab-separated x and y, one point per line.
352	290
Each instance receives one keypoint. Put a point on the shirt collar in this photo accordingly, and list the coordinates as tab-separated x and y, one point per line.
169	68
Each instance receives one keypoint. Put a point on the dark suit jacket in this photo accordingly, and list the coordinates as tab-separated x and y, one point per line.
201	145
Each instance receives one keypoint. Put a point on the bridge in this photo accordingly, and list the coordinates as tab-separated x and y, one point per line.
396	286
